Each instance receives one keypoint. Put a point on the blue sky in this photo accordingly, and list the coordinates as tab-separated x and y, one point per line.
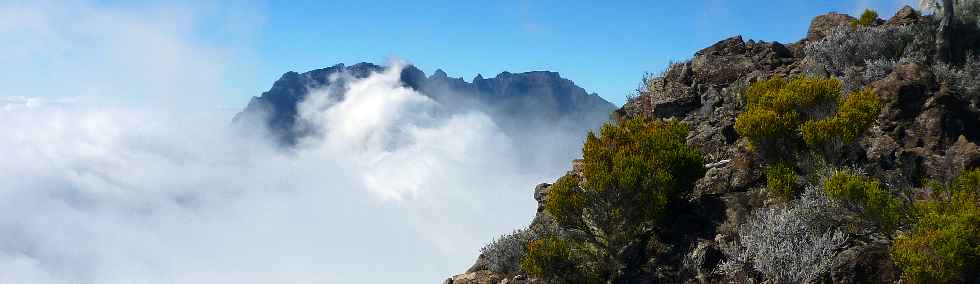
231	51
605	48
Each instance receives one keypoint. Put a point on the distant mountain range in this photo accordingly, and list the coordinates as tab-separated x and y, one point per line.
513	100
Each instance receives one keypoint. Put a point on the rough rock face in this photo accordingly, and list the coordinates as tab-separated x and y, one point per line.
821	25
923	133
512	100
863	264
487	277
926	132
904	16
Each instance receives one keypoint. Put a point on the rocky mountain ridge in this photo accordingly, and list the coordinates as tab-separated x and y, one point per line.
928	130
513	100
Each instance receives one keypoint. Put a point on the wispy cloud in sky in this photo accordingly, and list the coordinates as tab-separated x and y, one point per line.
123	52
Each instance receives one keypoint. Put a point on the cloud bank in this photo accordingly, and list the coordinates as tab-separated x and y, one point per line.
395	188
117	168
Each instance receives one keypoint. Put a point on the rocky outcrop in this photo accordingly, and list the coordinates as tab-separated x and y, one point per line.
487	277
823	24
924	133
904	16
864	264
513	100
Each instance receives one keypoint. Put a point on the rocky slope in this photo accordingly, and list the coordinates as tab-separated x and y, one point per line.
928	130
513	100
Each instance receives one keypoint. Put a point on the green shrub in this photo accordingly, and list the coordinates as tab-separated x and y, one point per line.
944	244
776	108
631	171
565	200
781	181
555	260
866	194
867	19
764	125
967	181
780	114
642	165
504	254
855	113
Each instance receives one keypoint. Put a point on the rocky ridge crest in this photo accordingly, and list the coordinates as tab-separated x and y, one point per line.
925	132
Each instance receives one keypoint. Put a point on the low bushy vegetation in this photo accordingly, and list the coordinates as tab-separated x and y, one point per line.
504	254
776	108
794	243
631	172
964	80
781	180
847	46
866	195
557	261
944	243
855	113
877	69
781	113
867	19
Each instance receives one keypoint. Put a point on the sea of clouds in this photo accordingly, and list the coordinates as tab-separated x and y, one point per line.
120	163
395	187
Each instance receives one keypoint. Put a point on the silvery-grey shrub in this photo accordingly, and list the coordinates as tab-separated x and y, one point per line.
792	243
970	82
504	254
964	80
848	46
878	68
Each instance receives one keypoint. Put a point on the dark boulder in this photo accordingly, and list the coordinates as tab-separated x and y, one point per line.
904	16
870	263
823	24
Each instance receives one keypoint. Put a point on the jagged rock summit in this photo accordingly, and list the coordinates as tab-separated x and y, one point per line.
513	100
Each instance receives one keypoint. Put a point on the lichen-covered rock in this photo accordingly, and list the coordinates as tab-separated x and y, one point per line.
541	195
904	16
487	277
963	155
701	262
476	277
823	24
869	263
722	63
903	93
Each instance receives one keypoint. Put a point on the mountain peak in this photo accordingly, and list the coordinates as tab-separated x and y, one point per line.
440	74
511	99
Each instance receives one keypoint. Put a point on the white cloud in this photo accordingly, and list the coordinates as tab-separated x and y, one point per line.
399	189
113	172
